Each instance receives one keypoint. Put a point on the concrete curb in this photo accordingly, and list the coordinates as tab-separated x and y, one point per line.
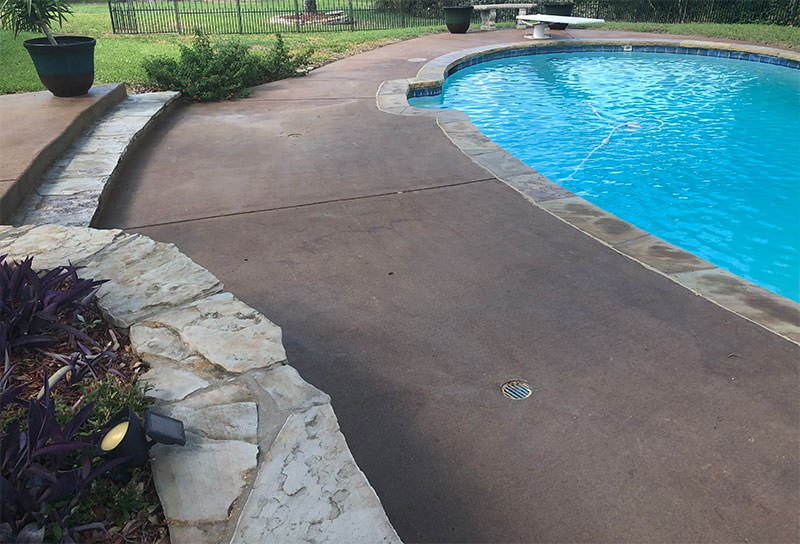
742	297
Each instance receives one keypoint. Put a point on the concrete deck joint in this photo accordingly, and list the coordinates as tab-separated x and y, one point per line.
311	204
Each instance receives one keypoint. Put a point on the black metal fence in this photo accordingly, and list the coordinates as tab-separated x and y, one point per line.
269	16
258	16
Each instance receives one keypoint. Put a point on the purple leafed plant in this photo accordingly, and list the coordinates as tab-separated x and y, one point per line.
46	469
34	306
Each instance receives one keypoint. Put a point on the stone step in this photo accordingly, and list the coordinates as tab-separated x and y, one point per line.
72	188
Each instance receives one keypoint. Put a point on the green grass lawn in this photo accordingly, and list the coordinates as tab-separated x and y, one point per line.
779	36
118	57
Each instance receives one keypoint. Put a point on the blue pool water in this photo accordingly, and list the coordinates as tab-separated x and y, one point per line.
702	152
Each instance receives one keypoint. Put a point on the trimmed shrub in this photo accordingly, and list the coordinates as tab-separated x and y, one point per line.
207	72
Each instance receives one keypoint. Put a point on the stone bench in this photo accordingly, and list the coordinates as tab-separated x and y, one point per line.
539	22
489	13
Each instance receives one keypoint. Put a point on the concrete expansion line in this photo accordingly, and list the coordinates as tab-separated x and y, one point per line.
309	204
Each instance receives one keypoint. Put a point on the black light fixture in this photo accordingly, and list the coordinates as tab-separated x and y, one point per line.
127	437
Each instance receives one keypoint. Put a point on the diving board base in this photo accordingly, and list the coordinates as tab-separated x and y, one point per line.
539	23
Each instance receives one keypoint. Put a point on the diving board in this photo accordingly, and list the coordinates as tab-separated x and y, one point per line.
539	22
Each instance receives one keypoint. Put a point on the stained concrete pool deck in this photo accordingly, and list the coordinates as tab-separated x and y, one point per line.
410	284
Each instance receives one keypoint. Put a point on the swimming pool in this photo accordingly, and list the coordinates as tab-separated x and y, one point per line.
699	151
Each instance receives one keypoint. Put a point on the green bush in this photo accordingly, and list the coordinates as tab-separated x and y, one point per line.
207	72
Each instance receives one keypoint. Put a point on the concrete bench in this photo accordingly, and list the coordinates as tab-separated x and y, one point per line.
489	13
539	22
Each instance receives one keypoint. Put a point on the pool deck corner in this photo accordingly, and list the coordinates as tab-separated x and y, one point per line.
774	312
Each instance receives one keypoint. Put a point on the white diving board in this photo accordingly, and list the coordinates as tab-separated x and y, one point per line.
539	22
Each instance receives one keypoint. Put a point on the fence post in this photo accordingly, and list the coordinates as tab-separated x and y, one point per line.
352	17
177	17
111	15
297	15
239	14
403	13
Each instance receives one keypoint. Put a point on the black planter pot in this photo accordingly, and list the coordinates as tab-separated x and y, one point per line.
558	9
458	18
66	69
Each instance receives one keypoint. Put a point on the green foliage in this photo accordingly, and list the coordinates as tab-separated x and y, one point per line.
125	501
774	35
208	72
781	12
118	56
32	15
280	63
112	395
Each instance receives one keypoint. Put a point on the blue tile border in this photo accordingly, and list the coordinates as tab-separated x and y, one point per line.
623	48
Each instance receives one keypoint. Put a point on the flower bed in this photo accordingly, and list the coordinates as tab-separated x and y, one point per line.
66	373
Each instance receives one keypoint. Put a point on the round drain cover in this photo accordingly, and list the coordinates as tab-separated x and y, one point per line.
516	390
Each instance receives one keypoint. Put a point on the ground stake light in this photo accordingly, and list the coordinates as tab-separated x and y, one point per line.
127	437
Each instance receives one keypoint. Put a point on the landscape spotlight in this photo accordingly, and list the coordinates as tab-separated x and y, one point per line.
126	437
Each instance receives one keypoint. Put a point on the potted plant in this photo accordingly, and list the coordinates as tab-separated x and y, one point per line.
65	64
457	18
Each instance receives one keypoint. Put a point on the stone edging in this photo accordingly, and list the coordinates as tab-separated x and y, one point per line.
264	459
72	190
109	96
761	306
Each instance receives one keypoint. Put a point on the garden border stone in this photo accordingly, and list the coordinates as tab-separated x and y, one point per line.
264	457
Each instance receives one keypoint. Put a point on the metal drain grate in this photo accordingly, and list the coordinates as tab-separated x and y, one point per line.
516	390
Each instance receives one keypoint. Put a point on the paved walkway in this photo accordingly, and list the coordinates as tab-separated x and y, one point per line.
410	285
